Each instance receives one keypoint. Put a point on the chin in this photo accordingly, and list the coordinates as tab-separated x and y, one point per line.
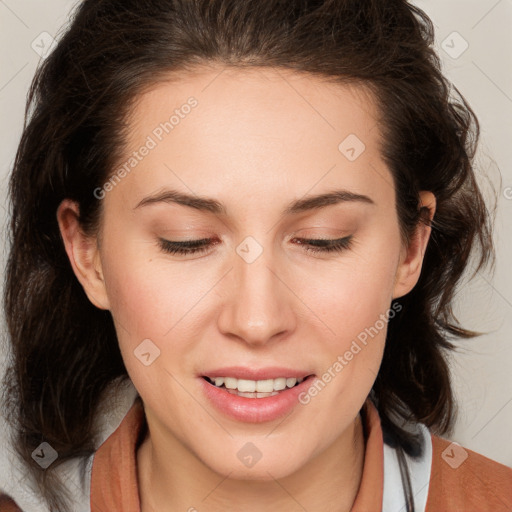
275	467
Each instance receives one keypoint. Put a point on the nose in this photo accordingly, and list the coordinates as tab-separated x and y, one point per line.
259	307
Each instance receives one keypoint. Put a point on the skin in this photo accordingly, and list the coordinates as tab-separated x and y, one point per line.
258	140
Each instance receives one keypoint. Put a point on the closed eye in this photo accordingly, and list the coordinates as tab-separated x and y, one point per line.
325	245
312	245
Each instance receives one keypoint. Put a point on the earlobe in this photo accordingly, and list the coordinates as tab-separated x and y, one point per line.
411	260
83	254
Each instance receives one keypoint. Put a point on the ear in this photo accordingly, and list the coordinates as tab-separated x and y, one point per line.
411	258
83	254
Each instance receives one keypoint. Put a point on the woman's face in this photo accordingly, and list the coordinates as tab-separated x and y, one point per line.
251	152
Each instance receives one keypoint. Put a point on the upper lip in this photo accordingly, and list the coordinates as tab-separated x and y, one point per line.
242	372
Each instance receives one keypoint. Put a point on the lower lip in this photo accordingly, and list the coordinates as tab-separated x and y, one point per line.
255	410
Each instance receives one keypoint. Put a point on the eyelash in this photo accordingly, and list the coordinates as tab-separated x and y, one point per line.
313	245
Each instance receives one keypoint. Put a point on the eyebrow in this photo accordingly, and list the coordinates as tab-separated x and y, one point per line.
298	206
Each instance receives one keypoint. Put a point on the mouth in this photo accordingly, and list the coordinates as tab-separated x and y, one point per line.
255	388
255	401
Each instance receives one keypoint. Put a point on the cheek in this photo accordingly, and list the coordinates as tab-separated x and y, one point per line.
139	300
145	306
152	299
143	301
354	302
351	296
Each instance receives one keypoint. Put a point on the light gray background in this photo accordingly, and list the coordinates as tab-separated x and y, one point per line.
483	73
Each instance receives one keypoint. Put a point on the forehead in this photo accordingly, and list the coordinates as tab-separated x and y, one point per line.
252	97
262	127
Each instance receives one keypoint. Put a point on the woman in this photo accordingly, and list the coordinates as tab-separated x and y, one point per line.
258	214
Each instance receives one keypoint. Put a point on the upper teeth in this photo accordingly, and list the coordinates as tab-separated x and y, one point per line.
250	386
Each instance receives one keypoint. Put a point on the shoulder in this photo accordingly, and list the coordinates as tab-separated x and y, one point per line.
462	479
7	504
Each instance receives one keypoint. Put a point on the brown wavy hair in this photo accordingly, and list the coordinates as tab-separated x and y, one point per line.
65	352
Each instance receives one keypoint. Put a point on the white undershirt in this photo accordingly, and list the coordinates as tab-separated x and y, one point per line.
419	472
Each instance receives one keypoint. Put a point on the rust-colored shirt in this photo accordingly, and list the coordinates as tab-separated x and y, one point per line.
460	479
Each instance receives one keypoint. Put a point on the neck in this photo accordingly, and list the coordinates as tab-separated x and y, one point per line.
172	478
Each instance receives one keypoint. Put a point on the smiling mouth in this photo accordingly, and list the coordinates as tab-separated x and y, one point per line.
255	389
